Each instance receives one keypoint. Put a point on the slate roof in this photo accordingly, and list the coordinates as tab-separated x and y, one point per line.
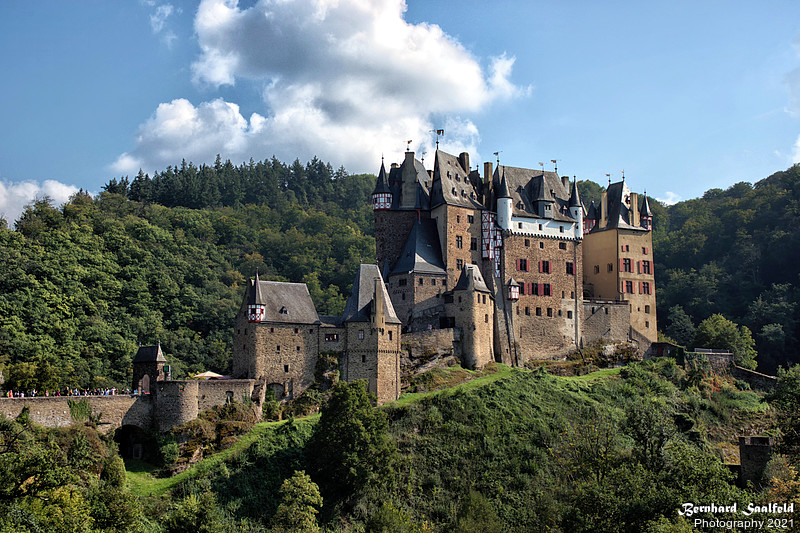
422	252
575	197
645	211
618	198
527	186
420	175
382	183
593	212
471	280
452	184
150	354
359	304
286	303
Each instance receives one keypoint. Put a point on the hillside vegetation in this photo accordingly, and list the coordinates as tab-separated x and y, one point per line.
165	258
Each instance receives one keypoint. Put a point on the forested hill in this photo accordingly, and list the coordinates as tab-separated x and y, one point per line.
735	252
165	258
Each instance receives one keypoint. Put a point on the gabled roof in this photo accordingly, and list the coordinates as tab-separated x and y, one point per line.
452	184
471	280
285	303
359	305
150	354
529	186
422	252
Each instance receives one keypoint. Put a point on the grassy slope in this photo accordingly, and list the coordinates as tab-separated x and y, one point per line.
496	434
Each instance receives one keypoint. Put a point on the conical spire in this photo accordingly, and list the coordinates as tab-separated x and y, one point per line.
256	298
382	183
503	192
645	210
574	198
591	213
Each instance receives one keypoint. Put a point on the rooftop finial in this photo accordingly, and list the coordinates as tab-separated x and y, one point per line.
439	133
609	178
623	174
408	145
555	162
497	155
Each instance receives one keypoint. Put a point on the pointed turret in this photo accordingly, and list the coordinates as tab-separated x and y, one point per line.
504	203
256	303
645	215
576	209
382	195
592	216
543	199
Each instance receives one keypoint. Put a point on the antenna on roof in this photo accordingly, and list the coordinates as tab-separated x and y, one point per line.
556	164
408	146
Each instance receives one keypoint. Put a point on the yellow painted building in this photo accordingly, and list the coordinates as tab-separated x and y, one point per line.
618	256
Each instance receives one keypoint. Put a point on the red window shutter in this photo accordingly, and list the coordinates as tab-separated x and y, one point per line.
623	287
541	289
517	264
638	267
620	265
640	287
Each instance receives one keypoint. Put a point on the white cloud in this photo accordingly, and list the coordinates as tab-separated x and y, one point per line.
670	198
158	21
346	80
14	196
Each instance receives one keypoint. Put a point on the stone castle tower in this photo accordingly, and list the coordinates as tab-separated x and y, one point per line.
278	337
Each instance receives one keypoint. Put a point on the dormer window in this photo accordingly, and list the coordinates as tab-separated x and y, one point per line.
283	310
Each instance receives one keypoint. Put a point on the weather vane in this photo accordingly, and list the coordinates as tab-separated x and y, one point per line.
497	155
408	145
556	165
439	133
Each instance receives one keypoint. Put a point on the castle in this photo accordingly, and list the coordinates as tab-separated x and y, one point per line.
557	276
507	266
511	261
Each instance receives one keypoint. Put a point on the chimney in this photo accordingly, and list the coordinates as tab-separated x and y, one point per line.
603	210
394	165
565	182
463	158
487	172
634	217
410	158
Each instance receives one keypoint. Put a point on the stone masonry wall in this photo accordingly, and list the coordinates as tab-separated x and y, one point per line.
391	233
544	325
287	355
605	320
454	222
214	392
53	411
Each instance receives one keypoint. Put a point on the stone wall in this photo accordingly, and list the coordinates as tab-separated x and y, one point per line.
427	344
453	222
474	317
415	292
754	454
373	355
756	380
176	403
391	233
605	320
214	392
283	354
544	325
53	411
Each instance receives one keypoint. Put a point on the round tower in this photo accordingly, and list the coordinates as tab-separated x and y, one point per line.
576	209
504	203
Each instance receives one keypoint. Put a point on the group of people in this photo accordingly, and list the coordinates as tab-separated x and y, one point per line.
100	391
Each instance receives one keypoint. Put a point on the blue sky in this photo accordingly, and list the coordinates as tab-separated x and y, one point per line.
683	96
